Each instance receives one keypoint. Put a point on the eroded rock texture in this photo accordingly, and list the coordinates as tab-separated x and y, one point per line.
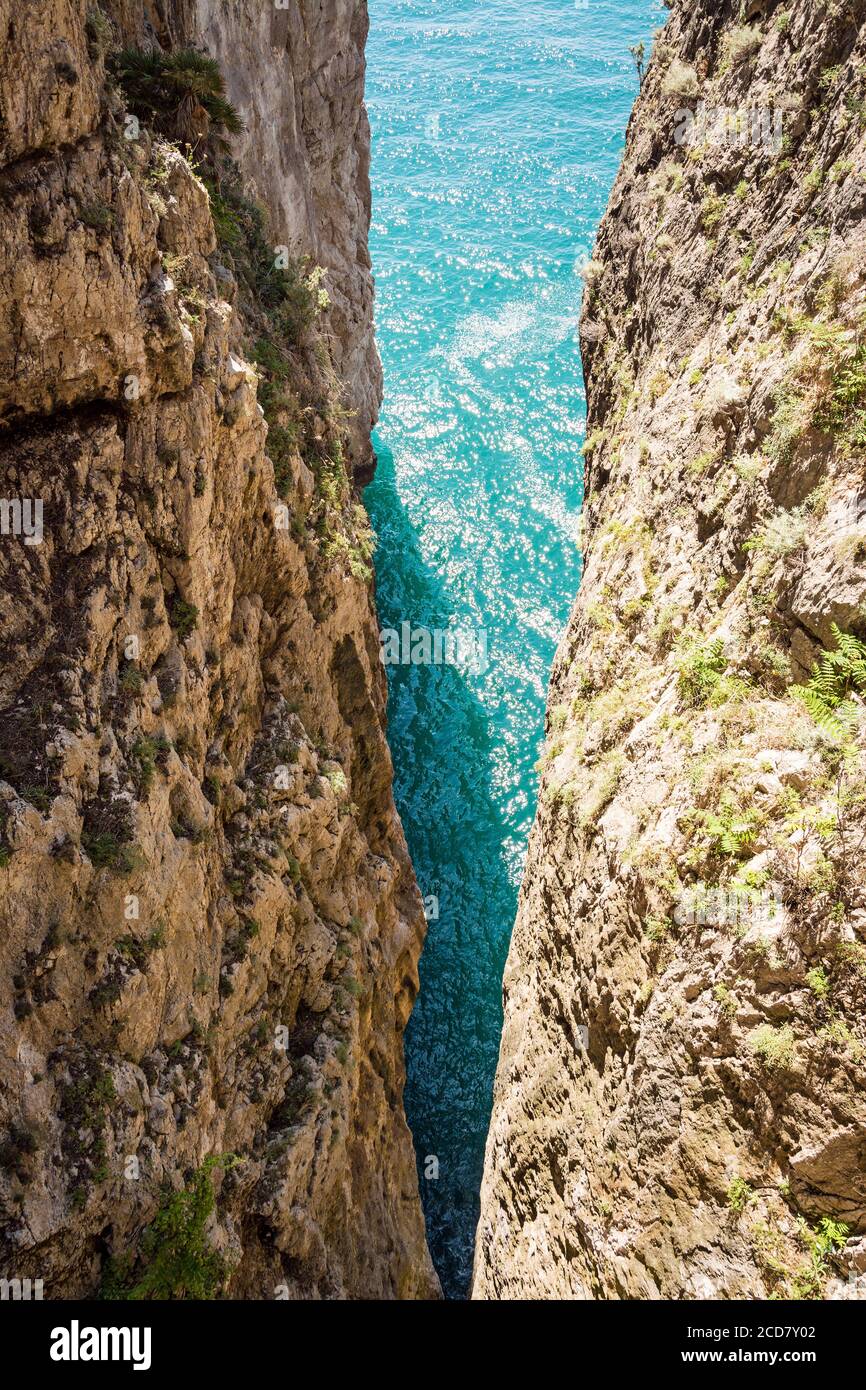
298	75
679	1107
209	925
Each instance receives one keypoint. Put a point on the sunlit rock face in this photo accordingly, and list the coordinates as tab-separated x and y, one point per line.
297	72
679	1108
210	925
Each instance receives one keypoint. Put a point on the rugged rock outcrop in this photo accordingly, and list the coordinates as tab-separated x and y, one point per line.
209	925
679	1108
297	73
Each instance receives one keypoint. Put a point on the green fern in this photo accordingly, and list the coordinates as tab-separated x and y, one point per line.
839	676
733	828
699	671
843	412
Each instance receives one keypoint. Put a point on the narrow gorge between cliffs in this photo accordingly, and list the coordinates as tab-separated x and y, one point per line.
497	132
433	663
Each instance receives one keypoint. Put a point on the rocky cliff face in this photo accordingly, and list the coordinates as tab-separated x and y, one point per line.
297	73
210	926
679	1107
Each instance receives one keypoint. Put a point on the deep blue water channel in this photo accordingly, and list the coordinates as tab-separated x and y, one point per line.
498	126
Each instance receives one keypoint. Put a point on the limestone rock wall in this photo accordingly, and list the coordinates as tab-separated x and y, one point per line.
679	1106
209	925
298	74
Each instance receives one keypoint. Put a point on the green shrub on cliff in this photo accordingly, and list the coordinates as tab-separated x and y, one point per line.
180	1262
788	424
107	850
726	1000
835	358
773	1046
818	982
288	290
740	43
99	34
740	1195
601	790
842	411
181	93
183	618
712	212
681	81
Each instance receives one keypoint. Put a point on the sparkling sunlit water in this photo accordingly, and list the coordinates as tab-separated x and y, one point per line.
497	129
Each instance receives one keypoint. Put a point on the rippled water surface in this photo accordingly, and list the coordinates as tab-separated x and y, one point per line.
497	129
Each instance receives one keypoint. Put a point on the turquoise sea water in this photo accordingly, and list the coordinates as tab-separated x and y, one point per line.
497	130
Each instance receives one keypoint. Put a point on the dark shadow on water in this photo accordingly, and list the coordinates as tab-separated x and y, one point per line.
441	745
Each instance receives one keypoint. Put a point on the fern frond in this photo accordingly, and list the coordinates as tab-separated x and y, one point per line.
827	694
853	652
848	716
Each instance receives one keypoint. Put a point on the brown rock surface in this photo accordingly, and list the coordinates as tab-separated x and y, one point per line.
209	925
679	1103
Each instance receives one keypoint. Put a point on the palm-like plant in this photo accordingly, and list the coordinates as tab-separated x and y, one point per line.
183	93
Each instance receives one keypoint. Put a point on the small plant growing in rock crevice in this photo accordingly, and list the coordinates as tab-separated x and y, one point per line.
84	1108
726	1000
740	43
838	676
821	1244
740	1195
99	34
699	670
837	1033
145	755
184	618
680	81
107	851
732	828
97	215
818	982
773	1046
